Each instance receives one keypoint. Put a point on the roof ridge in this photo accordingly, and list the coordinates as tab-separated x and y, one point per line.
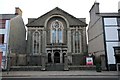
57	8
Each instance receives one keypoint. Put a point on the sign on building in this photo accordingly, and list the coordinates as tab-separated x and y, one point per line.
89	61
3	47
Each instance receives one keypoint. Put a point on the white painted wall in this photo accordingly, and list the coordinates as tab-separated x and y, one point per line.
111	35
5	45
110	52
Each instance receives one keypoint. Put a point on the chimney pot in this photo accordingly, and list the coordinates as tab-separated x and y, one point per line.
18	11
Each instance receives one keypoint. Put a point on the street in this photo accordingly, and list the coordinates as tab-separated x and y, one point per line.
60	75
60	79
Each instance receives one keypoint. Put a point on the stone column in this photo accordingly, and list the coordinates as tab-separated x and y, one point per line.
73	42
40	43
61	56
103	64
66	64
52	56
80	41
43	63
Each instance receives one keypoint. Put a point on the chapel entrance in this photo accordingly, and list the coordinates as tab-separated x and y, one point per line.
56	57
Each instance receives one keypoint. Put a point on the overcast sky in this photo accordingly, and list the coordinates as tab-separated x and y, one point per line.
36	8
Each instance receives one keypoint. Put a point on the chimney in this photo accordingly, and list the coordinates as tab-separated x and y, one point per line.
94	9
119	7
18	11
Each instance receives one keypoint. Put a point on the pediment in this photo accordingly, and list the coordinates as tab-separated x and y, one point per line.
40	21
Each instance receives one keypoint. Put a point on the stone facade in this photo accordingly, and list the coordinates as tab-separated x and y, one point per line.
56	38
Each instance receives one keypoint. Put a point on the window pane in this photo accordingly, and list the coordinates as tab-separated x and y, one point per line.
111	33
56	33
110	21
119	34
60	36
78	42
110	51
36	42
53	36
77	36
75	47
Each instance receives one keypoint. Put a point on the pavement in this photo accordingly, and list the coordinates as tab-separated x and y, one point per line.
63	74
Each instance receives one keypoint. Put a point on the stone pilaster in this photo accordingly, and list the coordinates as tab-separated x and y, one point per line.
28	42
84	40
80	41
66	64
40	43
73	42
69	41
43	63
61	56
52	57
43	50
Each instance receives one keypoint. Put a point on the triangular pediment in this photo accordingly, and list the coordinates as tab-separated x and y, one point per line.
40	21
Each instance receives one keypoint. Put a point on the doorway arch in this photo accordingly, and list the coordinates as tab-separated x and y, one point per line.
56	57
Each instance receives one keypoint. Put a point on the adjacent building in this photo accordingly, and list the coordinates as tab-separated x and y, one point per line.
104	37
56	40
12	36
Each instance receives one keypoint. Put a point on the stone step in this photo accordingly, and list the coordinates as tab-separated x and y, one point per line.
82	67
25	68
55	67
52	67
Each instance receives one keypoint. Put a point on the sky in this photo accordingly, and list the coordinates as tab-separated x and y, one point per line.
36	8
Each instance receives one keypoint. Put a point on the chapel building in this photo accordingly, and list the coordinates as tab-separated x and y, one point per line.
56	39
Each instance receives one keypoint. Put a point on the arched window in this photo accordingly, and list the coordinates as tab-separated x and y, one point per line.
56	32
76	42
36	42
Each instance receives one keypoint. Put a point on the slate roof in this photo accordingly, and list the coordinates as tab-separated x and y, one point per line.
7	16
56	11
108	14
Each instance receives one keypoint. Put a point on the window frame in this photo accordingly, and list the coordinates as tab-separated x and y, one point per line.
36	46
108	25
57	37
76	41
